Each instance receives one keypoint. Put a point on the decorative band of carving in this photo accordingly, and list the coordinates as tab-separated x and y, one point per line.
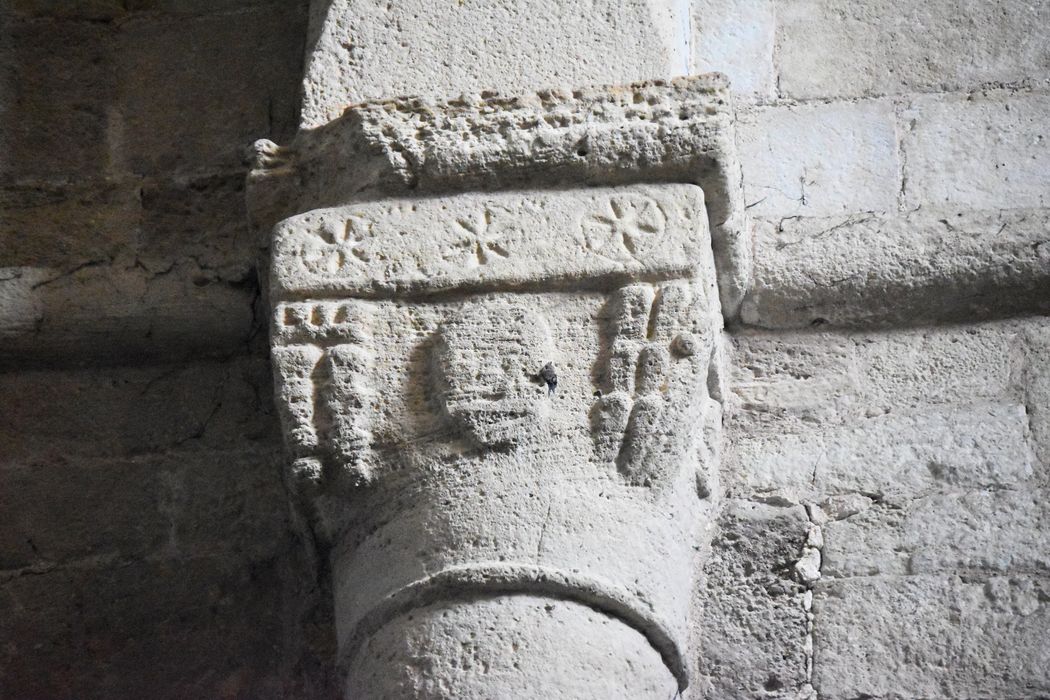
488	580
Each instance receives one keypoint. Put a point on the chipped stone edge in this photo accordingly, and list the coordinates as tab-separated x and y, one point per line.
677	131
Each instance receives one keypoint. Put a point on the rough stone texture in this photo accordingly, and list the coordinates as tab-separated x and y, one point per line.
1001	530
923	266
121	124
845	49
647	132
359	48
126	560
461	397
122	231
915	451
932	636
758	648
736	37
518	643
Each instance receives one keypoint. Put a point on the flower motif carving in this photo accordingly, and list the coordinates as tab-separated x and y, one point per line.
339	247
484	237
627	225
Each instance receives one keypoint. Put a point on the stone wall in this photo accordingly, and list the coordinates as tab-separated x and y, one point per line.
146	546
884	532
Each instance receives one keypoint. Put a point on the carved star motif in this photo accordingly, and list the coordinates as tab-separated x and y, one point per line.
339	247
628	224
484	237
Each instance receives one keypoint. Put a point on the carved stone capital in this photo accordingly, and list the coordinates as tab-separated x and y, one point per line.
503	406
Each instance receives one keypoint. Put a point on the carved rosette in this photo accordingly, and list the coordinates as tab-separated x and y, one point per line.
503	412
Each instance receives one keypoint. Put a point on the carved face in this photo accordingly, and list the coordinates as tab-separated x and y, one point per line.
489	357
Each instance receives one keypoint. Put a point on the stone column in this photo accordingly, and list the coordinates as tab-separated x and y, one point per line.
496	336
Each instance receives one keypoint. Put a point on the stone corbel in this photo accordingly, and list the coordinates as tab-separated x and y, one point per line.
496	339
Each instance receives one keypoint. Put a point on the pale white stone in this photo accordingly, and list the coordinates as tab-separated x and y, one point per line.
926	265
480	241
981	151
980	446
938	637
681	131
1000	531
808	567
831	48
798	381
503	392
820	159
736	37
372	49
518	646
1037	387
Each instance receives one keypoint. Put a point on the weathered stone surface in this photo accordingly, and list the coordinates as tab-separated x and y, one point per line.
145	629
163	83
481	241
932	636
830	48
457	414
1037	388
96	312
798	381
366	49
900	268
736	37
751	624
131	411
922	451
55	114
980	151
998	531
820	159
648	132
47	225
135	508
508	647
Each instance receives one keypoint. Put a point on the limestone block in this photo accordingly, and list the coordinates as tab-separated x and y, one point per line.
57	87
736	37
997	531
892	456
932	636
141	507
820	159
980	151
127	630
200	219
649	132
1037	388
920	266
118	268
797	381
46	225
366	49
838	48
137	410
162	83
751	625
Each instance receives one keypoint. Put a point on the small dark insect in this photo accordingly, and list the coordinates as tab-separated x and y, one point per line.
550	376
